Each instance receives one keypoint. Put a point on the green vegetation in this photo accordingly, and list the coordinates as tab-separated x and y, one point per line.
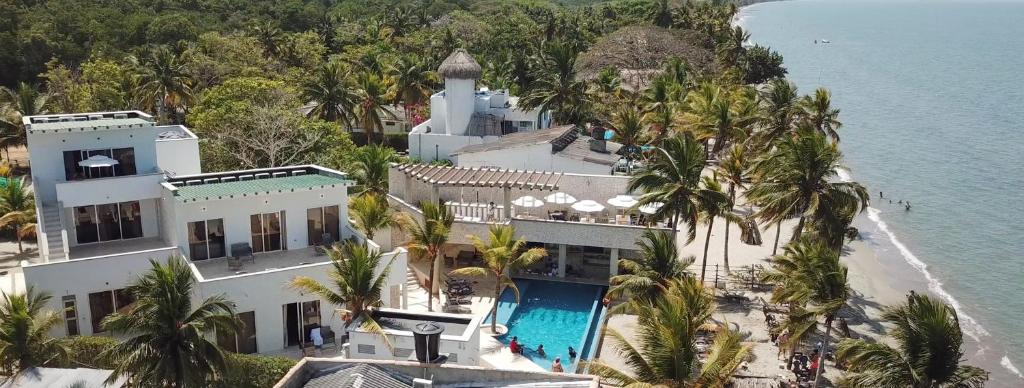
24	328
427	234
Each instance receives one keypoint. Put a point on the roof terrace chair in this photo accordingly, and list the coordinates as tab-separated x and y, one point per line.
242	251
326	241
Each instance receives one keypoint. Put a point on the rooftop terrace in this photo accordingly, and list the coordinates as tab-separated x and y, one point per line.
226	185
81	122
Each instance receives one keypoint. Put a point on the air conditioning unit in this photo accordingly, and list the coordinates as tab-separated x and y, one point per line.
422	383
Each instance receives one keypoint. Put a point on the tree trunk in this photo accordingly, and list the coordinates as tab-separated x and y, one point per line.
798	230
778	231
494	307
433	282
824	350
707	244
20	250
725	251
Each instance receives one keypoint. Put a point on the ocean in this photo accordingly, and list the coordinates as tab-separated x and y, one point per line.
932	105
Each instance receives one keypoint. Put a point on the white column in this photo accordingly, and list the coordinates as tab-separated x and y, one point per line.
435	194
405	294
561	260
614	262
507	202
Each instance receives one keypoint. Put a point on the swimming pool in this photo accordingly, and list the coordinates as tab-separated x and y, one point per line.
554	314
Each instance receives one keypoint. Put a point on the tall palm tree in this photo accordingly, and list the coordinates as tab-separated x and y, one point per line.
164	83
167	337
732	170
672	179
270	37
556	87
16	104
427	238
370	168
667	355
412	82
651	276
780	104
809	275
370	213
502	254
24	332
710	213
18	209
332	94
357	286
628	129
661	14
371	105
728	119
817	111
928	352
798	178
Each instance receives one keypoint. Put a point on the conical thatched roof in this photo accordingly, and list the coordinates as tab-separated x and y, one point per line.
459	65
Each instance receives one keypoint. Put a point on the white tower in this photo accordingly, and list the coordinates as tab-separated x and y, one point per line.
460	72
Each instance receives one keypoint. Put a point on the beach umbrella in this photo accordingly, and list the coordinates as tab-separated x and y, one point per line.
651	208
528	202
98	161
588	206
560	198
622	201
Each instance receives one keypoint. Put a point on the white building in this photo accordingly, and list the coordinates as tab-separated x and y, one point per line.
462	115
560	149
114	190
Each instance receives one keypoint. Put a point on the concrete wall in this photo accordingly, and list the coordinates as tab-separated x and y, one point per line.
536	157
101	190
236	212
437	146
46	150
178	156
81	277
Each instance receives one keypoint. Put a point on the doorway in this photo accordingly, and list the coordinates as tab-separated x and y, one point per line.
299	320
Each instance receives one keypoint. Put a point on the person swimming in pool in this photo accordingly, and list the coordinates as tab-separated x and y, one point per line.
572	353
556	366
540	351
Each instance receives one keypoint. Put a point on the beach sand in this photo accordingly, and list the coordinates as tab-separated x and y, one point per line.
875	283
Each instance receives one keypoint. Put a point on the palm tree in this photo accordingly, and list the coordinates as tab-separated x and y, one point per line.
661	14
168	338
332	95
732	170
270	37
798	178
426	239
672	180
24	332
928	352
651	276
667	332
556	87
164	83
16	104
358	286
371	105
370	169
412	82
629	131
819	113
370	213
729	118
502	254
18	209
809	275
709	213
780	103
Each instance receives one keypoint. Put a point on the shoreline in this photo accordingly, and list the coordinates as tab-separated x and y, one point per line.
883	269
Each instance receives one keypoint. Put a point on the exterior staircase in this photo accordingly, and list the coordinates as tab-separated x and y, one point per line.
52	227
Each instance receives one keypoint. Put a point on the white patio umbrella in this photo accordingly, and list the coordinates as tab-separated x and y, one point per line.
560	198
528	202
651	208
622	201
98	161
588	206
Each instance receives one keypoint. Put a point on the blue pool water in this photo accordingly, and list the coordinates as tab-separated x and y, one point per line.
555	314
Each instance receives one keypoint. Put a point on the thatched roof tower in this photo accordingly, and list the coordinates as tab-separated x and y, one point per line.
459	65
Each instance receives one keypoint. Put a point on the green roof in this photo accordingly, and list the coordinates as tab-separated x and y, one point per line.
212	191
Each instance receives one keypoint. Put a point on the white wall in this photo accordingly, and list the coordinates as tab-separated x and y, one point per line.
466	345
459	104
236	212
109	190
425	146
536	157
178	156
46	150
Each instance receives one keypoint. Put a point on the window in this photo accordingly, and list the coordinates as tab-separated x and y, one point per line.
108	222
266	232
206	239
70	315
321	221
125	158
243	341
104	303
525	124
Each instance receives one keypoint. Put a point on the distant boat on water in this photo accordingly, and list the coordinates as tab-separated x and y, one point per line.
822	41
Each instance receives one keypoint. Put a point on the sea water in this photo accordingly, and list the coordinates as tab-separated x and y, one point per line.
932	103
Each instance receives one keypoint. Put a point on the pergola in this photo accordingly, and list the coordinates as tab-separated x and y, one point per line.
449	176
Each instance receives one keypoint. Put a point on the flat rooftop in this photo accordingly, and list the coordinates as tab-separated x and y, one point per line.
218	268
81	122
227	185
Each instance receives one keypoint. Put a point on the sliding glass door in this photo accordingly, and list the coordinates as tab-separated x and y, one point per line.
321	221
206	239
267	232
108	222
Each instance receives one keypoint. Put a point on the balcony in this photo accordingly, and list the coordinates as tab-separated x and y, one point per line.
213	269
111	248
110	190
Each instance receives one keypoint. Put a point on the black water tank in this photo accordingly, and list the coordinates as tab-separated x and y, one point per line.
427	336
